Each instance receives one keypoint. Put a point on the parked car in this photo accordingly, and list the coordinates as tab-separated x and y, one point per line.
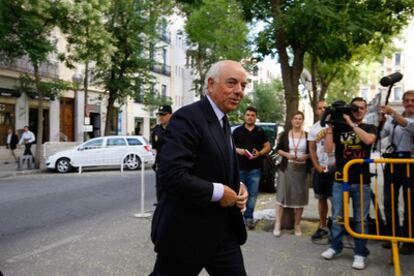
104	151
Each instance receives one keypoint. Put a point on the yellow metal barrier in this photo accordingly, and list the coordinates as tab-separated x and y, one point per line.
392	239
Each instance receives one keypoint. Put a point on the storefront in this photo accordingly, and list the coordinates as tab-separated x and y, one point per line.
7	112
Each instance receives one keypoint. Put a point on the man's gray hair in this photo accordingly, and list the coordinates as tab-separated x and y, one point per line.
213	73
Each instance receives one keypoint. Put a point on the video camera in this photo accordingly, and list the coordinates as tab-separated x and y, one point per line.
336	110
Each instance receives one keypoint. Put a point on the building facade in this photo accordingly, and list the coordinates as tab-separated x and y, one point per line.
67	117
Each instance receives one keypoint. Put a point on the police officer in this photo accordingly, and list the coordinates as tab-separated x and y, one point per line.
157	136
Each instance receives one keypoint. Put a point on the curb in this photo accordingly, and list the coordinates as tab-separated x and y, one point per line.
19	173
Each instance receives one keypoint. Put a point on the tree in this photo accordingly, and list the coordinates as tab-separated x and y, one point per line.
237	116
132	26
217	31
329	29
267	99
25	31
88	42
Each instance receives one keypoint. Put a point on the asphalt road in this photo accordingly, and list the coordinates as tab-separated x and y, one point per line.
53	224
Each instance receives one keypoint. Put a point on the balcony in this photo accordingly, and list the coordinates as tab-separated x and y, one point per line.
161	69
22	65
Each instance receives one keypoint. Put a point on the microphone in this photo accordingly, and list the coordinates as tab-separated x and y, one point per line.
391	79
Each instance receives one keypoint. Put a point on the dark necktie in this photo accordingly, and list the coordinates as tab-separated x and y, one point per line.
226	130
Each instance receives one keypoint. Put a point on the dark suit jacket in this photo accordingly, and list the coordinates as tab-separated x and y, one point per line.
13	142
186	224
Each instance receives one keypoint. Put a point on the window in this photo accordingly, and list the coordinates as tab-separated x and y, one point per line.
397	94
164	90
139	93
397	59
164	56
134	142
114	142
94	144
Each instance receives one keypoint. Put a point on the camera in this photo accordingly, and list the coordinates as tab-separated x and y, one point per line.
336	110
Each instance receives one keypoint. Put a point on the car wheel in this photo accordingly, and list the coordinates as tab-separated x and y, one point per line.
63	165
132	162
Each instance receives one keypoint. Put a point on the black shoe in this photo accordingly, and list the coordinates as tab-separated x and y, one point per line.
320	234
5	162
406	249
386	245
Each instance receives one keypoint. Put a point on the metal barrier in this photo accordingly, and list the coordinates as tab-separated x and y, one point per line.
25	162
393	239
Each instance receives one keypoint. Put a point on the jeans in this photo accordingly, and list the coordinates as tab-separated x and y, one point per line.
337	230
251	179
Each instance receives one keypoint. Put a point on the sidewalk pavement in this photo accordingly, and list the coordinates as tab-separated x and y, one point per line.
267	255
10	169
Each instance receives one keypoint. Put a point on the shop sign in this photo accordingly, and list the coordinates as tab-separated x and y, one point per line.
4	92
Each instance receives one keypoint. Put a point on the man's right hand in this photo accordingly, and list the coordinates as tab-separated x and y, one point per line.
229	197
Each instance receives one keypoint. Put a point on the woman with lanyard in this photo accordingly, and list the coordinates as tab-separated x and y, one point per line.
292	190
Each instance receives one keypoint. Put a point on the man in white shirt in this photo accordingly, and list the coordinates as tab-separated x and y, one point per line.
322	177
28	138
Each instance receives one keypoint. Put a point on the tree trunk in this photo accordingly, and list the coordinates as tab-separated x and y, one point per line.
39	134
109	125
85	91
290	73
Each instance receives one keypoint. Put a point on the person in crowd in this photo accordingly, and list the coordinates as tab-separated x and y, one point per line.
399	128
351	140
292	191
11	143
323	173
198	221
251	145
157	139
28	138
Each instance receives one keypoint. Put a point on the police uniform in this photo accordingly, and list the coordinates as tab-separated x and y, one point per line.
157	141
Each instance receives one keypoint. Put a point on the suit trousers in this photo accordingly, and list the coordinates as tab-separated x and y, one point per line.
227	260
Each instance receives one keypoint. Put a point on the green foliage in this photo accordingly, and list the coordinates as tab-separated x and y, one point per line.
330	30
217	30
25	28
344	87
237	116
51	89
267	98
86	36
132	25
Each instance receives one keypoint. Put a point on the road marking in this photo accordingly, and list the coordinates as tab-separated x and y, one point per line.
42	249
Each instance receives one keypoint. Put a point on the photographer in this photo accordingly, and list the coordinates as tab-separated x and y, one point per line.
352	139
400	130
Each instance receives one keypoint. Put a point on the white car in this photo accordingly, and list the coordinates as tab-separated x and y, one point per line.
104	151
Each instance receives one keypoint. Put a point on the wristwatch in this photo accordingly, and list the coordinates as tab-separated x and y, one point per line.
354	125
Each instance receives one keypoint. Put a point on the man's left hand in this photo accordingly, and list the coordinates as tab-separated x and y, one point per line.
347	119
242	197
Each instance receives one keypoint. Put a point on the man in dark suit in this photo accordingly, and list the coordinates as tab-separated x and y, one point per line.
198	221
